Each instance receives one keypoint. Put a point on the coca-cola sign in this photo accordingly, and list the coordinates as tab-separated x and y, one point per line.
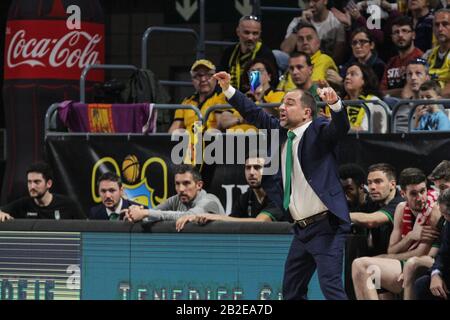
37	49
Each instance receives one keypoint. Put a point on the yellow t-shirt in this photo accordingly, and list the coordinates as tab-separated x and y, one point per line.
442	74
189	116
321	63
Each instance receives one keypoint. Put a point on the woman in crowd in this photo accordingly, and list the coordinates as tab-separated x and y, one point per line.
361	83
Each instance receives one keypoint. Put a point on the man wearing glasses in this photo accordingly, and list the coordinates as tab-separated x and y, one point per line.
206	95
249	47
403	35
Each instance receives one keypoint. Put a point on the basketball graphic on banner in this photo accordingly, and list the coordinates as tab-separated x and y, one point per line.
130	168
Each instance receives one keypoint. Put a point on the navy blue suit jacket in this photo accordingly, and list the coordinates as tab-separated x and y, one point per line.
99	212
316	153
442	262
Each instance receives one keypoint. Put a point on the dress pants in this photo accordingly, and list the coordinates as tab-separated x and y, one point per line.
318	246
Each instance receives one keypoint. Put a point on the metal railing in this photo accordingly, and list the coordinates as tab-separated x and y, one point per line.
145	38
51	116
413	104
100	66
360	103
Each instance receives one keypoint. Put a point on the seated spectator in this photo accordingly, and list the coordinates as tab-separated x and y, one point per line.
435	286
416	74
394	77
249	47
206	95
300	71
414	232
440	176
113	203
41	203
190	199
430	116
308	42
378	214
353	178
363	49
361	84
265	92
252	206
422	18
439	56
330	31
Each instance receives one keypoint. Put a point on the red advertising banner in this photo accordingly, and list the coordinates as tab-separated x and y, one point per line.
46	49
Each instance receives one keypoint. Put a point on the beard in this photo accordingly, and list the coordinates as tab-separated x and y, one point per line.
405	46
38	195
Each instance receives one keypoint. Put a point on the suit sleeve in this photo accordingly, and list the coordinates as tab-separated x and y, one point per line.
442	262
252	113
335	130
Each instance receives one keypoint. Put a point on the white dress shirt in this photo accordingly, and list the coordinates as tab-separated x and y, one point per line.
117	210
304	202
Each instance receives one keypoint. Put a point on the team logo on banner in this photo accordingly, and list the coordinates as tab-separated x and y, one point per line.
48	50
137	186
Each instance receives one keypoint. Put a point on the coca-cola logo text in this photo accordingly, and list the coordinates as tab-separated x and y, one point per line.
47	49
60	52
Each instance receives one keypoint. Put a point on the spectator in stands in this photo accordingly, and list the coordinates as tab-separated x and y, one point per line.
308	42
416	74
440	176
430	116
435	286
113	203
423	23
352	179
403	35
413	235
249	47
378	215
363	49
265	92
322	220
300	71
439	56
41	203
206	95
190	199
252	206
361	83
330	31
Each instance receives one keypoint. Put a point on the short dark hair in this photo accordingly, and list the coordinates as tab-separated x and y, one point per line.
403	21
42	168
110	176
365	31
442	171
431	85
302	25
297	54
185	168
387	168
444	198
411	176
307	100
354	172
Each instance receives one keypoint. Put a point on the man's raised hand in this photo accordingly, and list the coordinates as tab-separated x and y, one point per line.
328	95
224	79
